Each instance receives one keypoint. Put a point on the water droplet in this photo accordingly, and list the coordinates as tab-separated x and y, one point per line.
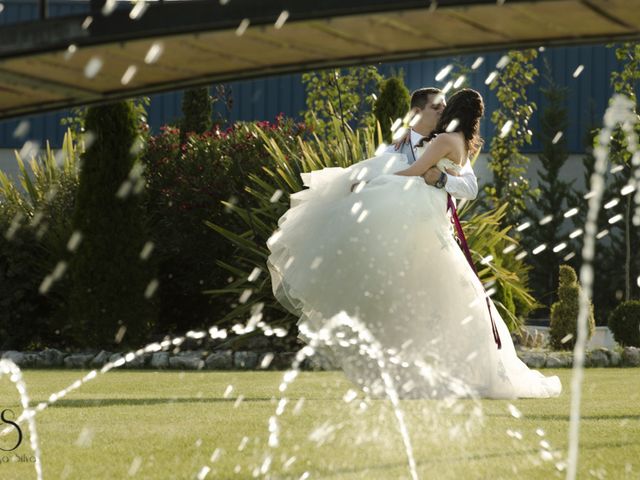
442	74
276	196
506	128
539	249
93	66
138	10
108	7
492	76
571	212
129	74
453	124
244	24
151	288
557	138
146	250
154	53
478	61
284	15
615	218
503	62
22	129
515	413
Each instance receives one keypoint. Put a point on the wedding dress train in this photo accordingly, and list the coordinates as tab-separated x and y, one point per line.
385	256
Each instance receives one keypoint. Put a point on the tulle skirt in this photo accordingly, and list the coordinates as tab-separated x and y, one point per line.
381	286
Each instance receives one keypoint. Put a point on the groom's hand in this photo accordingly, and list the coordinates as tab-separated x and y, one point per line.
431	176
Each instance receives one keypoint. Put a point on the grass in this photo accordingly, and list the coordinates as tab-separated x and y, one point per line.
150	424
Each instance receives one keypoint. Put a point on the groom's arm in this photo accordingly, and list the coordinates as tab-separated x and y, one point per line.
464	186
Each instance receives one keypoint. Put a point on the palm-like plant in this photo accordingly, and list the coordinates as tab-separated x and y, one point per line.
35	222
344	148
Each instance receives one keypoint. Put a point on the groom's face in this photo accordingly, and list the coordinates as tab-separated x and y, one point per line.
431	113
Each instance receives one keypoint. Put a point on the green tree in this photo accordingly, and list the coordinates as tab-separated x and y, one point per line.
554	193
108	278
511	119
394	102
617	256
196	111
345	95
627	239
564	313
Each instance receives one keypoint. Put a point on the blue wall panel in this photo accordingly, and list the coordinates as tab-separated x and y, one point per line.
264	99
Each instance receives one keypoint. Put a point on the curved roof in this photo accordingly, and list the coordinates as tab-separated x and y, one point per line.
83	59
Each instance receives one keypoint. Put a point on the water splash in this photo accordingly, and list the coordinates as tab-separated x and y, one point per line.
620	112
7	367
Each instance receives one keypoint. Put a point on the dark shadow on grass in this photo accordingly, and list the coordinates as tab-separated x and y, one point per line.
109	402
565	418
466	458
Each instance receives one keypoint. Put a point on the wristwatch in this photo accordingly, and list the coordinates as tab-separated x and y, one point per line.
442	181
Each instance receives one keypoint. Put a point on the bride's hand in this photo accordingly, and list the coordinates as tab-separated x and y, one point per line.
452	172
398	144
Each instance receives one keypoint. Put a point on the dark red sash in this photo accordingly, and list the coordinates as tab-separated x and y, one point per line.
467	253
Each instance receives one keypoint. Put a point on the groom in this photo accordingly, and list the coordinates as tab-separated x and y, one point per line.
429	103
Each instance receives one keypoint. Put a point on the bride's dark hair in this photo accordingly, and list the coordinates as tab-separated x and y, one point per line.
466	107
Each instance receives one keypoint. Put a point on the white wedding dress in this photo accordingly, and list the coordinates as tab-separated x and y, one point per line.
384	257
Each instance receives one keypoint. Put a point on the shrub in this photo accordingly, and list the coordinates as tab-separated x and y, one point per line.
35	225
393	103
624	323
196	111
483	230
564	312
506	273
108	278
342	94
186	185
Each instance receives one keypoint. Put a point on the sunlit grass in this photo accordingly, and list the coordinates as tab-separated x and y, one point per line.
150	424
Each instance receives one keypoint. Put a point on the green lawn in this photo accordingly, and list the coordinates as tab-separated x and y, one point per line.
149	424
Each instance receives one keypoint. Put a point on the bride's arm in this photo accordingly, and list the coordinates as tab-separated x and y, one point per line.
440	147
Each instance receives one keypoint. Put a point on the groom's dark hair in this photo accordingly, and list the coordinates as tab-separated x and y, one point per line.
420	97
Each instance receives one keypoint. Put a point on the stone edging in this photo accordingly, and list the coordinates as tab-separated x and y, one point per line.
249	360
600	357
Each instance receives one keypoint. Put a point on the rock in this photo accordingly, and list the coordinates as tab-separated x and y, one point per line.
31	359
598	358
78	360
221	360
245	360
16	357
631	357
283	360
100	359
160	360
115	357
533	359
319	362
258	343
187	361
559	360
51	358
615	359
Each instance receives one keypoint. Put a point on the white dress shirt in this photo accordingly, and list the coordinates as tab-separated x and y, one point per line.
461	187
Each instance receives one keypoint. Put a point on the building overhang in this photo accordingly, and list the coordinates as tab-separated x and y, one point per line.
58	63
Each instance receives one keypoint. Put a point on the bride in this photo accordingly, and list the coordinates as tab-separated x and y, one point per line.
366	257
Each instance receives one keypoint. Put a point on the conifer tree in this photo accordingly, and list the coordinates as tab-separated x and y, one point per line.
109	279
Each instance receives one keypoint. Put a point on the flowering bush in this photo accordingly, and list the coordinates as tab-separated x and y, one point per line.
186	186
